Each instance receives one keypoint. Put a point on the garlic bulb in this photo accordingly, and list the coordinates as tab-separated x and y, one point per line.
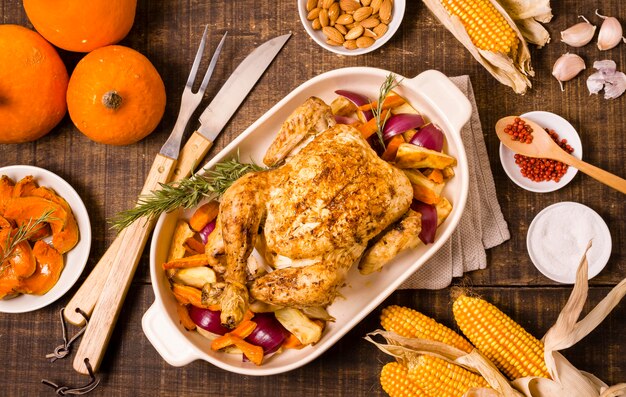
579	34
610	33
567	67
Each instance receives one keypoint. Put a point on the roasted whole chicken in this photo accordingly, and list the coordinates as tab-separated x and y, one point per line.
311	217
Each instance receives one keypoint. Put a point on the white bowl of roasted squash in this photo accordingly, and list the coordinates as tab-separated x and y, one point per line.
45	238
342	190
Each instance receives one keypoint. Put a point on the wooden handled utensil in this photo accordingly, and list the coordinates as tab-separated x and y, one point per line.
542	146
122	266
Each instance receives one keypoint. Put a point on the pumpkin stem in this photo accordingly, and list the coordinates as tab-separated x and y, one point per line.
112	100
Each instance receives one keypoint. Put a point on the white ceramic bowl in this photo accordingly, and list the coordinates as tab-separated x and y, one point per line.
566	131
320	38
589	224
75	260
431	93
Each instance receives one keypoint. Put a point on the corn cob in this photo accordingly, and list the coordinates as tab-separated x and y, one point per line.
485	26
396	383
413	324
509	346
439	378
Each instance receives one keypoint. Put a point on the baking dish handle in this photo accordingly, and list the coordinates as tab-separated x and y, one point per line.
166	339
444	96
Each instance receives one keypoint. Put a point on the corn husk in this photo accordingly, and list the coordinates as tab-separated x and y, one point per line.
527	15
567	380
512	70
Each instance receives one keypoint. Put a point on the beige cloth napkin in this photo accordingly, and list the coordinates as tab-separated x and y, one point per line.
465	251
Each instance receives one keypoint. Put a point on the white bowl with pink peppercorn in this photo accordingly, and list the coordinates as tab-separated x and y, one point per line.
567	137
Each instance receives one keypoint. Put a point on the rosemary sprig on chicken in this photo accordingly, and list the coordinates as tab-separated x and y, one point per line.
186	193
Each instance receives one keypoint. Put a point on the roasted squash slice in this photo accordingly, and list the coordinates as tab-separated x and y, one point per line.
6	192
68	237
24	187
49	267
21	260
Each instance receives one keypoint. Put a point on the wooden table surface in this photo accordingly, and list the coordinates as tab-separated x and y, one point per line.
109	178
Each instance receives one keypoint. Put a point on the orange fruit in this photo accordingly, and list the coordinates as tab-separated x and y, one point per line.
33	81
79	25
115	96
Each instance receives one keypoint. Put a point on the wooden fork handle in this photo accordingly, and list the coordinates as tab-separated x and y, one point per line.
599	174
109	303
87	295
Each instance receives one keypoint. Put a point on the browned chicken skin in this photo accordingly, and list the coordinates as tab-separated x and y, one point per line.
318	211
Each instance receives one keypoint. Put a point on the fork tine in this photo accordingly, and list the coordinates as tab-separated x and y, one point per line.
196	61
211	68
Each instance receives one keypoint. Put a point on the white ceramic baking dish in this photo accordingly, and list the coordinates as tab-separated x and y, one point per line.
434	95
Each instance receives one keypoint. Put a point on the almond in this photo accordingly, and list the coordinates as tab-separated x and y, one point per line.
323	17
370	33
333	12
362	13
320	3
381	29
349	5
333	34
342	29
385	11
366	2
350	45
352	25
370	22
316	24
333	42
354	33
344	19
327	3
376	5
313	14
311	4
364	42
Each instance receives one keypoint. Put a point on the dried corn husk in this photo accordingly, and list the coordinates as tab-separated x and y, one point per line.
527	15
512	70
567	380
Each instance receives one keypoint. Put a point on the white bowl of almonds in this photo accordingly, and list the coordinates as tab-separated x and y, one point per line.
351	27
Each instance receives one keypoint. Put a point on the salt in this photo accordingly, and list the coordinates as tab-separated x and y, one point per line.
559	235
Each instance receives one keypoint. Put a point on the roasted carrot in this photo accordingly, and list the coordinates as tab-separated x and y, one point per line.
392	148
189	261
292	342
187	295
371	126
185	320
391	101
193	245
203	215
436	176
425	195
252	352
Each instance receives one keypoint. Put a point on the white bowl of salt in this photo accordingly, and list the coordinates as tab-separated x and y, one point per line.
558	237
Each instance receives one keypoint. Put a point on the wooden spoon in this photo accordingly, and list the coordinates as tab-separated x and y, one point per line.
543	146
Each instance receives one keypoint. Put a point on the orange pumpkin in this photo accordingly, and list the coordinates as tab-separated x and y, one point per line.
115	96
47	272
33	81
79	25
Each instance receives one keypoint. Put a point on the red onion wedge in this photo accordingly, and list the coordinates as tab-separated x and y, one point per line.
344	120
430	137
429	220
204	233
208	320
358	100
269	333
399	123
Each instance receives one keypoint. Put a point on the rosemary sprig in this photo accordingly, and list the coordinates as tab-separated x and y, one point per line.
389	84
22	233
185	193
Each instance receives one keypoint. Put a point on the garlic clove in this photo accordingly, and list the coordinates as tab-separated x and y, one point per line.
595	83
610	33
615	85
579	34
567	67
605	66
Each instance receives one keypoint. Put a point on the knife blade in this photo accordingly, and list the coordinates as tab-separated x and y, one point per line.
227	101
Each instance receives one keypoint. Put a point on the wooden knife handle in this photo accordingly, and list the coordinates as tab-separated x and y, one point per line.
109	303
87	295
